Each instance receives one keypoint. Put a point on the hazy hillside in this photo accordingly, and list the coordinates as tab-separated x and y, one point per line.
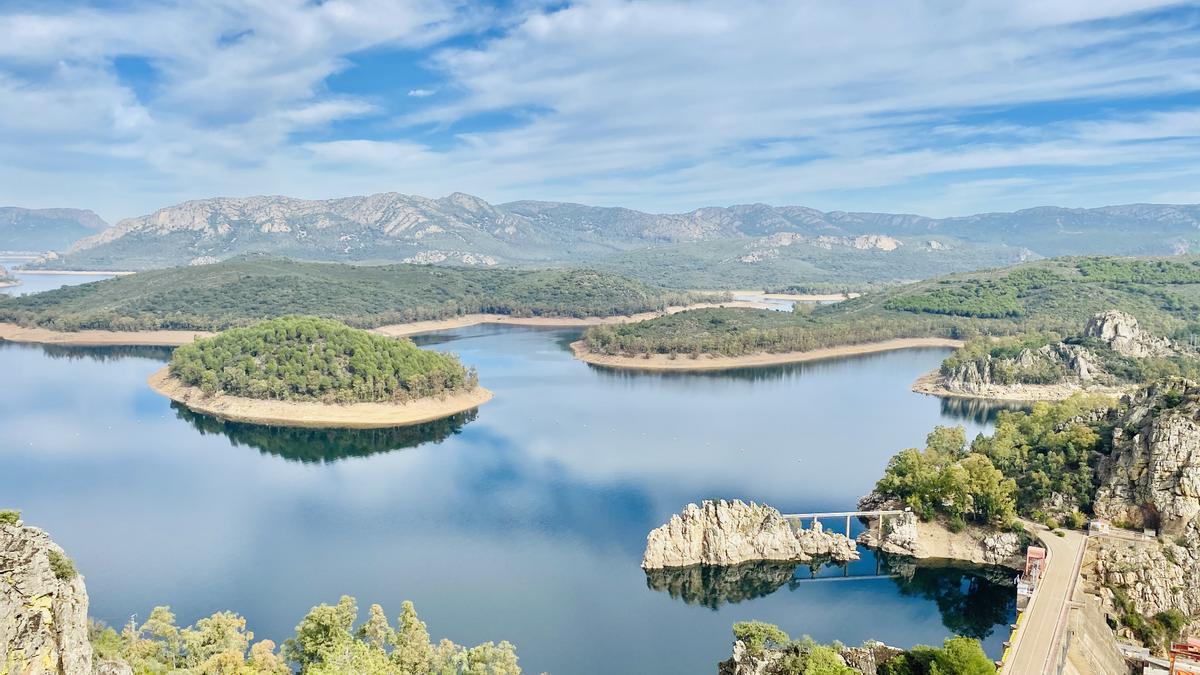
45	229
751	244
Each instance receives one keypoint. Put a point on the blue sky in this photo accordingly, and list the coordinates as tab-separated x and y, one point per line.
898	105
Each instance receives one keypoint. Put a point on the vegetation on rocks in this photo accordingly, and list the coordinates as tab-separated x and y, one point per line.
311	359
243	290
1048	296
326	642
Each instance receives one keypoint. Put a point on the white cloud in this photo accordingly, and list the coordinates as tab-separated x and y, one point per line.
898	105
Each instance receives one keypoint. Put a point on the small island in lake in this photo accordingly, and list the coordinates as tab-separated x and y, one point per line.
306	371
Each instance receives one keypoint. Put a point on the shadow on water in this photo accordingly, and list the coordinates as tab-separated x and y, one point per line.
102	354
972	600
325	445
980	411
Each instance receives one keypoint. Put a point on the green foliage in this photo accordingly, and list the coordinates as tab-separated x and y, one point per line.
247	289
62	566
1051	449
944	479
326	643
10	517
306	358
957	656
758	635
1043	299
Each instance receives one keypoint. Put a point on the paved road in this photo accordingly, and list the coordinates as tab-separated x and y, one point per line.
1040	631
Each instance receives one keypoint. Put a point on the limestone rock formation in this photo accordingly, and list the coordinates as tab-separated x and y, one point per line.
867	659
43	614
1152	476
906	535
731	532
1120	331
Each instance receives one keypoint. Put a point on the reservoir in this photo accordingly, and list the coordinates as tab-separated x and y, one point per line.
524	521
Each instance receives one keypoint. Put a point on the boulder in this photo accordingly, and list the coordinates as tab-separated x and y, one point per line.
731	532
1122	334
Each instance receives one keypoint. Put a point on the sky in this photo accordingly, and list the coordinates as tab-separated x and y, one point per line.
933	107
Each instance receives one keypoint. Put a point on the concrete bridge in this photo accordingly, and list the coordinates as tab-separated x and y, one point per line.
874	518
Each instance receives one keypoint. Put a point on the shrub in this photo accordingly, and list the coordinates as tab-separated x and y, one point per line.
62	566
759	635
957	524
10	517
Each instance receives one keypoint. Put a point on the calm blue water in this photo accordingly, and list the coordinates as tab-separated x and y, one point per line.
525	522
36	283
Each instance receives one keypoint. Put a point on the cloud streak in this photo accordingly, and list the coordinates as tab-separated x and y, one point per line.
902	105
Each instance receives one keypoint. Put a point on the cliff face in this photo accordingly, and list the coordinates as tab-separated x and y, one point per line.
43	614
728	533
1120	331
906	535
1152	476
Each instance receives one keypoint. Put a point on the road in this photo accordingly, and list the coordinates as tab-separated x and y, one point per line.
1044	622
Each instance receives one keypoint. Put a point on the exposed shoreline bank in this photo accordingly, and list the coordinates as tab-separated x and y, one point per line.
175	338
931	384
313	414
686	363
78	273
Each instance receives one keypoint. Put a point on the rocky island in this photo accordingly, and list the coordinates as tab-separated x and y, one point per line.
720	532
1112	355
305	371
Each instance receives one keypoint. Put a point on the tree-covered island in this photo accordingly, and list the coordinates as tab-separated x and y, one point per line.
317	372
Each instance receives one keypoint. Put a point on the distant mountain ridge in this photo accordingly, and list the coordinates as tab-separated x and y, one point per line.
37	230
463	229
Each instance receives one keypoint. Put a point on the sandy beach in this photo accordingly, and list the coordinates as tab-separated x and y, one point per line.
81	273
100	338
313	414
686	363
931	383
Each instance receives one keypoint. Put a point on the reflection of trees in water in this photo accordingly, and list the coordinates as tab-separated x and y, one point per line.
325	445
979	411
973	600
713	586
75	353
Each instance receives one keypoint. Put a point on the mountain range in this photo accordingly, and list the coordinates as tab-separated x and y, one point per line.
37	230
754	244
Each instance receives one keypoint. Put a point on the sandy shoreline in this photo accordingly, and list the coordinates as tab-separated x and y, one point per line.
930	383
312	414
79	273
686	363
796	297
174	338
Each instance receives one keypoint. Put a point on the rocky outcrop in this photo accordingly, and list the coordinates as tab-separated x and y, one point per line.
1053	371
1152	476
43	607
867	659
907	535
731	532
1122	334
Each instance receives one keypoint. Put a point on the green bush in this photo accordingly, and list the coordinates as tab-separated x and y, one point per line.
10	517
956	524
759	636
61	565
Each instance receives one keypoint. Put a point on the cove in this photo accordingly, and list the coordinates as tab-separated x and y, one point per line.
524	520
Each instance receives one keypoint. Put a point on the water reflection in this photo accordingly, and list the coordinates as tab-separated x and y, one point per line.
972	600
980	411
102	354
324	445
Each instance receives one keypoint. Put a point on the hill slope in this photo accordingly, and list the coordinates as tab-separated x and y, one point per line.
239	291
744	240
1056	295
45	229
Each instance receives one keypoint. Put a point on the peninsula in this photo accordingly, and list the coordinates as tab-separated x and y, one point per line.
310	372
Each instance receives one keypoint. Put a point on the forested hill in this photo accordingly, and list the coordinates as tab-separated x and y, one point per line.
1056	295
243	290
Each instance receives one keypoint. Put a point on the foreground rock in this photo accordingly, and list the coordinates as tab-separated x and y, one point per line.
43	607
867	659
1053	371
907	535
731	532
